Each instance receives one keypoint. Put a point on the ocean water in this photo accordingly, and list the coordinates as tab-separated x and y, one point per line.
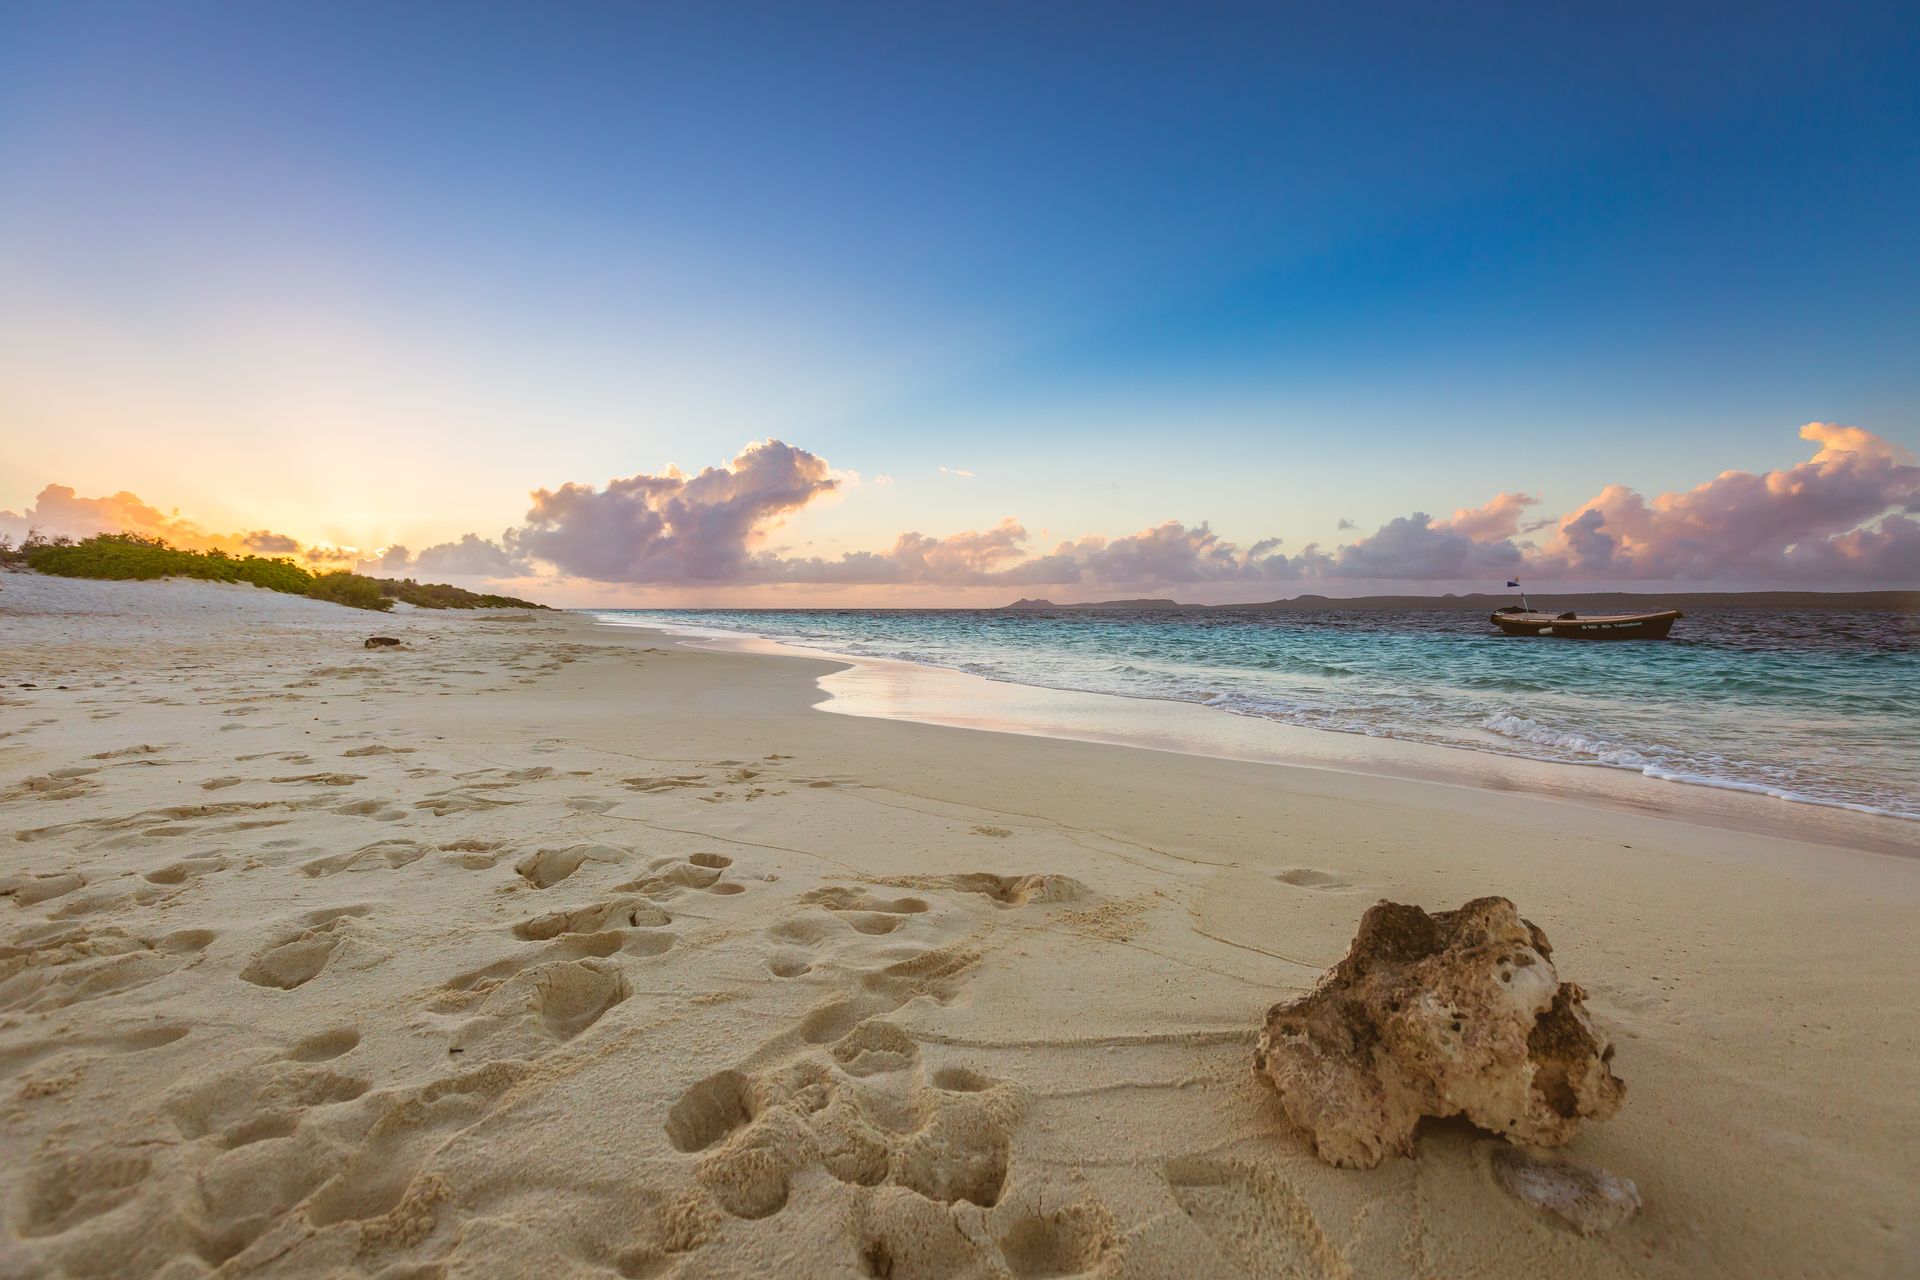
1821	708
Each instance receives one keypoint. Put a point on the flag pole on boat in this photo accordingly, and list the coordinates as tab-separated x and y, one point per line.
1515	582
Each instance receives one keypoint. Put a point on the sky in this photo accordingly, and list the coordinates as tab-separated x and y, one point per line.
947	304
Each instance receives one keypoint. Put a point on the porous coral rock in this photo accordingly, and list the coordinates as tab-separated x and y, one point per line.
1456	1013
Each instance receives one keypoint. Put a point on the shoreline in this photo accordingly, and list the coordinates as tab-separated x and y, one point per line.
331	960
926	693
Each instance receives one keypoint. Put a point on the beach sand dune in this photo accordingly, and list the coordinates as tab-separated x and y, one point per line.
536	946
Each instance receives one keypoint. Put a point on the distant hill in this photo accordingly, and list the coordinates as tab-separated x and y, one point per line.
1481	602
1101	604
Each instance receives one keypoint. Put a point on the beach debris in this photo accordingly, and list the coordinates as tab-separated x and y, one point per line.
382	642
1456	1013
1584	1197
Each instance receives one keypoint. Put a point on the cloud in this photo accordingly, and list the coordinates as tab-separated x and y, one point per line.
670	528
1840	517
1494	520
1415	548
59	511
471	556
261	542
1346	524
957	471
1844	517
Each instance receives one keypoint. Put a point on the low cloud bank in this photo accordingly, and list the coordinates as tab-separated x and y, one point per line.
1844	517
60	511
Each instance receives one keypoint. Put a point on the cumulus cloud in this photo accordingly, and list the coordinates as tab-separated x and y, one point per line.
261	542
1494	520
671	528
1415	547
1846	516
59	511
1841	516
471	556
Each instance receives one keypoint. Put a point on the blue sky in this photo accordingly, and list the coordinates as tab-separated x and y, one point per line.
372	273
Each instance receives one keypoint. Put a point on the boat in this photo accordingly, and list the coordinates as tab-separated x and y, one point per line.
1516	621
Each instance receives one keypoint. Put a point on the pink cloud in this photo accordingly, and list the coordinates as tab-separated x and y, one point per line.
59	511
1840	516
1836	517
1843	517
1493	521
671	528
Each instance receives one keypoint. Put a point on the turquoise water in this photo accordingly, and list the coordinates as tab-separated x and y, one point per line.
1819	708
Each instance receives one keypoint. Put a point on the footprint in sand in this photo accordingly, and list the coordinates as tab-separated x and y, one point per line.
863	911
850	1095
668	876
64	1190
298	959
325	1046
257	1101
464	990
548	867
1310	878
1071	1241
665	782
130	1039
1255	1222
450	802
473	855
789	962
378	856
59	784
257	1158
29	888
541	1007
56	966
385	1174
617	913
185	869
1003	891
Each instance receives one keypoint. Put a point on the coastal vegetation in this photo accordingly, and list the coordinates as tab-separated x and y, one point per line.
139	556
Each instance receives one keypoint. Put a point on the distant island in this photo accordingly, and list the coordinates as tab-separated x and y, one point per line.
1585	602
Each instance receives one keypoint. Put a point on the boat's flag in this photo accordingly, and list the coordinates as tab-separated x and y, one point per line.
1513	582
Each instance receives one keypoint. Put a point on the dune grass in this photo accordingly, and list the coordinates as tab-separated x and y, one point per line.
138	556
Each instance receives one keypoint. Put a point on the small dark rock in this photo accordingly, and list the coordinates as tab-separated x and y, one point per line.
382	642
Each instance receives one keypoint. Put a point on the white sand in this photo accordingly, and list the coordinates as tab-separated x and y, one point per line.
546	947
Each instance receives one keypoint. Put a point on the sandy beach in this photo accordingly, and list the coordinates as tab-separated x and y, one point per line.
542	946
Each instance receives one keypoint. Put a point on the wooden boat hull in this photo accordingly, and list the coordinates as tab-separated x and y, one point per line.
1634	626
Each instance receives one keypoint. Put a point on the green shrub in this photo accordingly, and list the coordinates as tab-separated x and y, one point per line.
439	595
12	552
137	556
134	555
349	589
